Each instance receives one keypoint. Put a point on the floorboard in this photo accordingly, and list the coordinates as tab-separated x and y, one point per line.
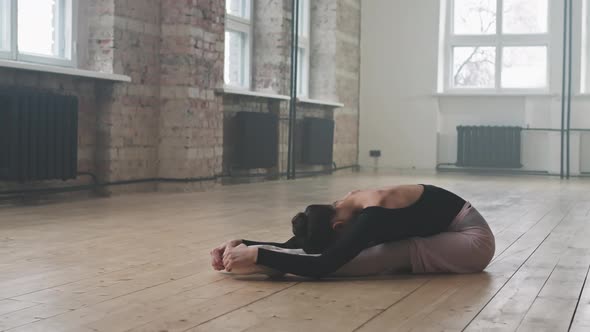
140	263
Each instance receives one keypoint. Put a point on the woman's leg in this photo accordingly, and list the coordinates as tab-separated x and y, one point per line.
467	247
385	258
450	252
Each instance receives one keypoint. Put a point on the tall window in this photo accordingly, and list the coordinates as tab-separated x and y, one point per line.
303	49
238	42
497	44
37	31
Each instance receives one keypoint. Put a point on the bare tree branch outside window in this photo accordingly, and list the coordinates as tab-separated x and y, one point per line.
475	66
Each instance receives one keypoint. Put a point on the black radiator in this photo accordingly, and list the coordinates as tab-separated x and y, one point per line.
318	141
257	143
38	136
488	146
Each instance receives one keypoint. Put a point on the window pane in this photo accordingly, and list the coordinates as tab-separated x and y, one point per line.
235	58
524	67
38	27
303	21
474	17
525	16
4	25
302	72
239	8
474	67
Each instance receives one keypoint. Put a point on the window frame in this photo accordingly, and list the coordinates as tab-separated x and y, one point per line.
499	40
585	48
304	43
9	53
66	35
241	25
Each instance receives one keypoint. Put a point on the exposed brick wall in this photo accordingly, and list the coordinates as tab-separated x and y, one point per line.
169	122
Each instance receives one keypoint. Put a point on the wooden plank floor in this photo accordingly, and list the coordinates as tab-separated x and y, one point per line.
141	263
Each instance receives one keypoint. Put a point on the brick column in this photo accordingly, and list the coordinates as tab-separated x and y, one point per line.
271	59
125	39
191	118
323	58
347	79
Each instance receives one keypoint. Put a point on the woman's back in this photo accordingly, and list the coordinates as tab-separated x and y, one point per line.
393	197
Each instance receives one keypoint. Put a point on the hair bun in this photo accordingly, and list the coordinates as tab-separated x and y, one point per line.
300	224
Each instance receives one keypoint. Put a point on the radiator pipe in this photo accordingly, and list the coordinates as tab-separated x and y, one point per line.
280	174
554	129
91	175
541	129
97	185
491	170
104	184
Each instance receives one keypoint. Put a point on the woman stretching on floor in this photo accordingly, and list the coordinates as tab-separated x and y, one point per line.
417	228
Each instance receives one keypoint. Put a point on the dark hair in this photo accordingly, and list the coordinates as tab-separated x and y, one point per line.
313	228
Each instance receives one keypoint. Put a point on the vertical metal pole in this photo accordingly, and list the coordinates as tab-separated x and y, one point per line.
295	86
293	92
563	87
569	91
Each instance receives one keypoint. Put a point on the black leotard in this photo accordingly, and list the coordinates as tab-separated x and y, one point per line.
431	214
292	243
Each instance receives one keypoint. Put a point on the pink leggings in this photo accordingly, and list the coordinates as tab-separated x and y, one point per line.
466	247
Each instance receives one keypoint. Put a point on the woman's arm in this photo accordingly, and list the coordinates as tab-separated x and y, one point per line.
357	237
290	244
218	253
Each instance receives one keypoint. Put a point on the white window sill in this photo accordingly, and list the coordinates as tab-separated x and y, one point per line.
63	71
495	94
241	92
319	102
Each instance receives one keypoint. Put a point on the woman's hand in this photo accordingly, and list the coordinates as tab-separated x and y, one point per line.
238	258
217	253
